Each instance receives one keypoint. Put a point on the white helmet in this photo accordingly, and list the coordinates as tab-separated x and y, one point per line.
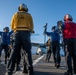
23	7
68	17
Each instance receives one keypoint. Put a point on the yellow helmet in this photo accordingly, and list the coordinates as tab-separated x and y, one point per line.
68	17
23	7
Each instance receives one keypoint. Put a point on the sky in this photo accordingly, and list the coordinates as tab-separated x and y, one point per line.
42	11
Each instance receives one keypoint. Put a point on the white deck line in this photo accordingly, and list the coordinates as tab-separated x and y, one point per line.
37	60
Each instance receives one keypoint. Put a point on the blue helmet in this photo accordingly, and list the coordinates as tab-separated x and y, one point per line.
6	28
54	27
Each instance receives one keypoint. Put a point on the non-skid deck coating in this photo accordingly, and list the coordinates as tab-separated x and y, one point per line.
42	67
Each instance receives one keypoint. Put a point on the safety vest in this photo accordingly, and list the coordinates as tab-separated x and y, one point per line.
69	30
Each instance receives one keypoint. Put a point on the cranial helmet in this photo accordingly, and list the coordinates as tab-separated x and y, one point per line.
23	7
68	17
6	28
54	27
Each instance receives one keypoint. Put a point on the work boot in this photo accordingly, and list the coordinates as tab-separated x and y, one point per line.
9	73
30	71
25	69
18	68
46	59
57	65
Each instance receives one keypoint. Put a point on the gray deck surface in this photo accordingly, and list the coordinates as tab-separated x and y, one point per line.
43	67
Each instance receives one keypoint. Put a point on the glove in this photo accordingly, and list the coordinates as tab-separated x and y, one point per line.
33	31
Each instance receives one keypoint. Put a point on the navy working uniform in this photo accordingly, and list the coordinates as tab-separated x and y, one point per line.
5	42
55	37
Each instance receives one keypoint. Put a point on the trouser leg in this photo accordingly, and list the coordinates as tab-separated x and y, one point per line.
58	56
69	62
25	66
49	55
13	61
54	51
74	63
74	57
54	57
26	43
1	47
5	47
18	62
68	56
15	54
27	49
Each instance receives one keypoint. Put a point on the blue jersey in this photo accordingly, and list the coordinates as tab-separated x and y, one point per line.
5	37
54	35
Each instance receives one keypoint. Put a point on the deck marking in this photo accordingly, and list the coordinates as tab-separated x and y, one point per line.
37	60
34	63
